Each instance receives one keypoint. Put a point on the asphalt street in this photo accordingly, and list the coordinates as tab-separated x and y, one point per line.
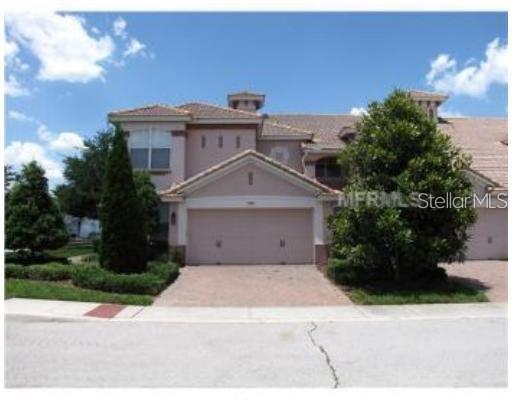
448	352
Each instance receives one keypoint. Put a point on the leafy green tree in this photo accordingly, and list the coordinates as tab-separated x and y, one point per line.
9	178
399	149
123	246
33	219
84	173
149	200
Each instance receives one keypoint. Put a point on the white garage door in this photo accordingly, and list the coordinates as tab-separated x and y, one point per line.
250	236
488	235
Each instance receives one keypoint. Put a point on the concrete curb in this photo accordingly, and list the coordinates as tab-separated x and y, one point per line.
77	311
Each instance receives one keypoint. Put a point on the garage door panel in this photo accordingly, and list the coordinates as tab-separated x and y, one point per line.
250	236
488	236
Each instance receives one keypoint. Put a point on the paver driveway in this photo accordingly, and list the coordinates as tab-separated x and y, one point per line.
489	275
252	285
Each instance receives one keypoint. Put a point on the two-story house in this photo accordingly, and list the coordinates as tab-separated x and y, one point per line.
239	186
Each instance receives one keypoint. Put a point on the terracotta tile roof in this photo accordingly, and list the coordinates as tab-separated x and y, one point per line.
178	188
204	110
151	110
275	129
482	138
325	127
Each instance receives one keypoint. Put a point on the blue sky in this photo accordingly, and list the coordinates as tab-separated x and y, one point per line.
65	72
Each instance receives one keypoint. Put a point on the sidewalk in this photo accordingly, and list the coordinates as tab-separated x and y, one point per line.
115	312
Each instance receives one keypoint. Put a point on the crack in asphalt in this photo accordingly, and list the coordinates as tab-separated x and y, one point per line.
335	377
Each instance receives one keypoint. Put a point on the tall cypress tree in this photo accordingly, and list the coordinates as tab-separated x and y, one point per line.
123	238
33	221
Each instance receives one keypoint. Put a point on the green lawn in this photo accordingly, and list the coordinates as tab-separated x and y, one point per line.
65	291
451	292
73	249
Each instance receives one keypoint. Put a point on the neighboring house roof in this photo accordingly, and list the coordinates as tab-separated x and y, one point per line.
155	110
482	139
179	188
210	111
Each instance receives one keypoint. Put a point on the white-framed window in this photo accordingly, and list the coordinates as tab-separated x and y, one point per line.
150	148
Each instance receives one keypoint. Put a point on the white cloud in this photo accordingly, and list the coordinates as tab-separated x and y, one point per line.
474	79
62	45
14	88
448	113
358	111
67	141
134	47
11	49
19	116
12	60
64	141
119	27
19	153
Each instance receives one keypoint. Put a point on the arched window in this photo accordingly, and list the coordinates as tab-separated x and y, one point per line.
328	167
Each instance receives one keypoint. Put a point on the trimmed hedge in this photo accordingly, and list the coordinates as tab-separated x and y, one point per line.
24	257
151	282
43	272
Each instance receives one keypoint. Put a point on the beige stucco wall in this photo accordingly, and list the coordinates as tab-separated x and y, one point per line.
199	159
236	183
292	148
163	180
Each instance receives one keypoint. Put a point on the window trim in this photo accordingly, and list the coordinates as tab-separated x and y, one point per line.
150	131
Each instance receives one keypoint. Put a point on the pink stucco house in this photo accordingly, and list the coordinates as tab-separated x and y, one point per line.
239	186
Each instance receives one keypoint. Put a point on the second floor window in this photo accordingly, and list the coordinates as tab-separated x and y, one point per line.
150	149
328	168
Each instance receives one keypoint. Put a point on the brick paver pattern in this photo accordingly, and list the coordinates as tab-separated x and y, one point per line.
489	275
252	286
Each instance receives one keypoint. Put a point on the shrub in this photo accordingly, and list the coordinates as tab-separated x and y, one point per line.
177	256
43	272
151	282
168	272
399	150
24	257
158	251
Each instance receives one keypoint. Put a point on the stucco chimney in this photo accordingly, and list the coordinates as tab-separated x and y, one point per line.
246	101
429	102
